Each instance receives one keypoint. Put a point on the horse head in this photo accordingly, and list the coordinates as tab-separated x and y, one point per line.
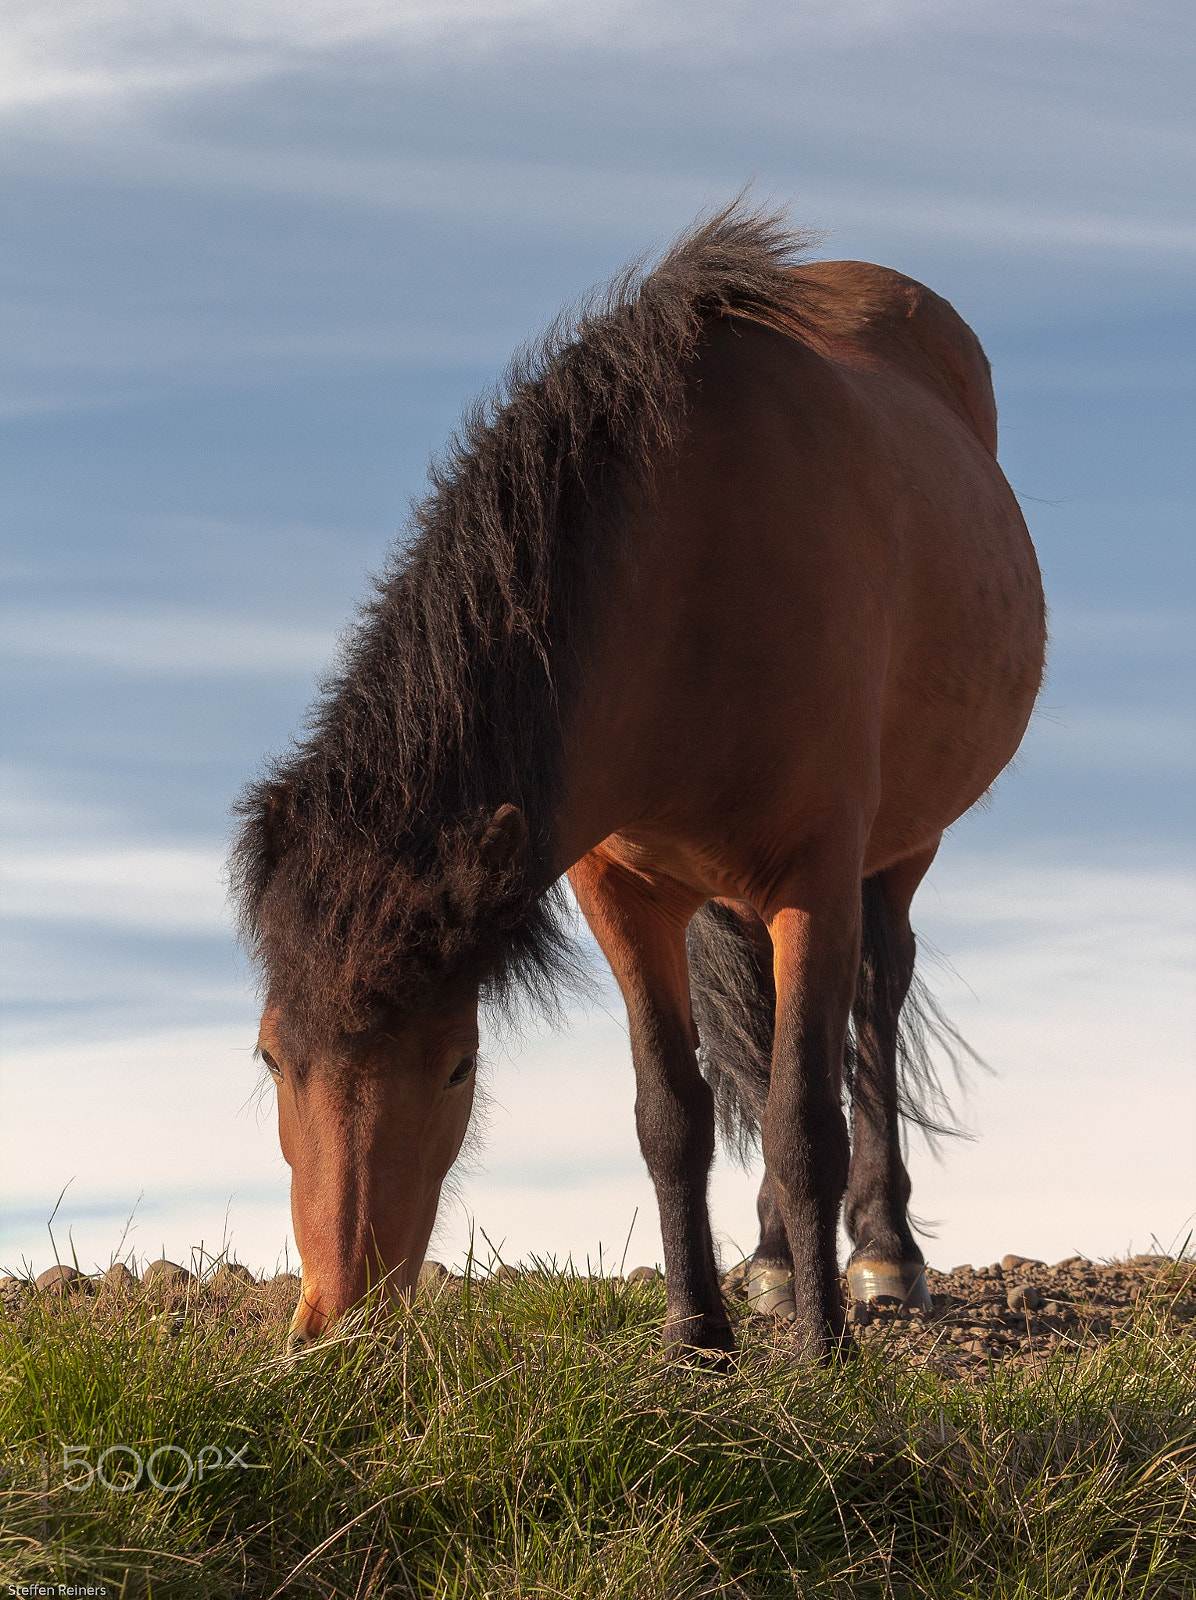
369	1130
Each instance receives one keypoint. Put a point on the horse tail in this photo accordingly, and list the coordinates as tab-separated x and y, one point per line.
926	1036
733	999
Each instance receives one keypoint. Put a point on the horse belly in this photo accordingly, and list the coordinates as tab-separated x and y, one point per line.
967	662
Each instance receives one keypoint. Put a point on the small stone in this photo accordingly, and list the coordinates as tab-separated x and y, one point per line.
432	1274
231	1274
1023	1297
1012	1263
966	1271
645	1275
859	1315
14	1292
166	1275
287	1279
505	1274
62	1279
119	1277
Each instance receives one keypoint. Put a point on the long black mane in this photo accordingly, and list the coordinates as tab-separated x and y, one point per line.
359	869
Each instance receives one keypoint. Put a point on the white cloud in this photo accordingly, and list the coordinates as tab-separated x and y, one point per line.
95	50
108	49
164	641
173	1115
1132	741
919	132
1074	982
155	890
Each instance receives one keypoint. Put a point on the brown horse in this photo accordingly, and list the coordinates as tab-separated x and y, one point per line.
724	608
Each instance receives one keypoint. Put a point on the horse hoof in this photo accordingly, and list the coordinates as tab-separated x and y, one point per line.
903	1282
770	1293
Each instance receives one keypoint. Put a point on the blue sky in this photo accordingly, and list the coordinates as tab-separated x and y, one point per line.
258	256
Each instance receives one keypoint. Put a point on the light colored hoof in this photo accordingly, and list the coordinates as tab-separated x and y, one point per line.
901	1281
770	1293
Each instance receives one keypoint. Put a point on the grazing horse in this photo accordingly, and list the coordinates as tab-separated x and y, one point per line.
723	607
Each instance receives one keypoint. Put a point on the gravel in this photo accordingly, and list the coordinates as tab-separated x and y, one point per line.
979	1317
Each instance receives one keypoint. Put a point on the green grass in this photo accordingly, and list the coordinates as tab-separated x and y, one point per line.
527	1438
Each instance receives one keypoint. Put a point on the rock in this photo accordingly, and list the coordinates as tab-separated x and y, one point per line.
645	1275
288	1280
966	1271
1070	1262
432	1274
13	1293
166	1275
119	1277
230	1274
505	1274
1023	1297
62	1280
859	1314
1011	1263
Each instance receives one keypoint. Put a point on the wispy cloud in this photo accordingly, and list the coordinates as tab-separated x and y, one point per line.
152	889
166	642
432	160
88	49
1132	740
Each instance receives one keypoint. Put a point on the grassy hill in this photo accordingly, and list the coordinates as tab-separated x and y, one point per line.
523	1436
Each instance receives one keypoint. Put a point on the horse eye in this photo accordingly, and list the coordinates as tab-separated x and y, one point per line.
463	1071
271	1065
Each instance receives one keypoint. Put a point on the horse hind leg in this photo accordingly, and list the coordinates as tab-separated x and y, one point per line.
886	1262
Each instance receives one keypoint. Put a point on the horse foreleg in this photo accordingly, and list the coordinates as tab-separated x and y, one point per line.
804	1132
886	1262
640	924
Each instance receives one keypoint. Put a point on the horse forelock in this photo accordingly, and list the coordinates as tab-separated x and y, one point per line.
356	870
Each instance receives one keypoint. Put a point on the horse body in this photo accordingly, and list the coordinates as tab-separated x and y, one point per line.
832	618
815	644
826	646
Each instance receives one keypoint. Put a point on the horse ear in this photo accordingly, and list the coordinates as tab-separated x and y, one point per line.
504	843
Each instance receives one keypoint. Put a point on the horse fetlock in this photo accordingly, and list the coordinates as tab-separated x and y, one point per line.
878	1234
